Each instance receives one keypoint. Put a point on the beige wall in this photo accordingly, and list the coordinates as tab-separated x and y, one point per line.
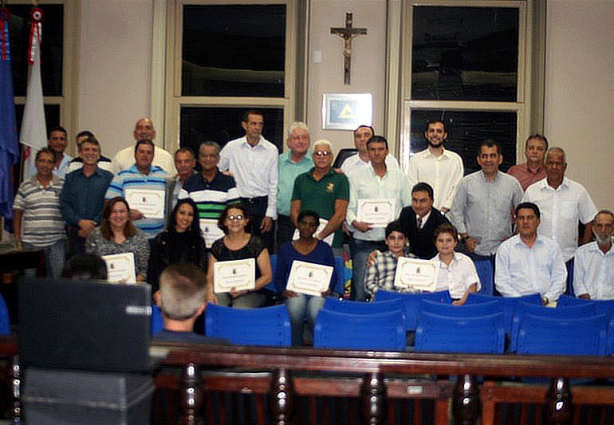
368	61
579	110
114	69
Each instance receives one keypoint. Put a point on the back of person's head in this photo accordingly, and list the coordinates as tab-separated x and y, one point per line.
182	291
85	266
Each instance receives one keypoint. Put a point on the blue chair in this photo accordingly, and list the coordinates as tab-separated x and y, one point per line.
157	324
447	334
378	331
256	326
271	286
605	307
522	309
412	303
472	310
486	274
564	336
5	323
509	305
361	307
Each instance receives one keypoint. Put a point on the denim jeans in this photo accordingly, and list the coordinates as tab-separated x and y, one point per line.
362	249
54	258
301	308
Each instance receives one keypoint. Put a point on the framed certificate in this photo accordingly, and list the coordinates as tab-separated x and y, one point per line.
329	239
210	231
120	268
237	274
148	201
416	274
377	212
308	278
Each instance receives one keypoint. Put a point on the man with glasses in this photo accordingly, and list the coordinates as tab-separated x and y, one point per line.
324	191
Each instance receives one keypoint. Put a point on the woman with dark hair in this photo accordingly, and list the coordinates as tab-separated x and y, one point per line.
239	244
309	249
180	242
117	235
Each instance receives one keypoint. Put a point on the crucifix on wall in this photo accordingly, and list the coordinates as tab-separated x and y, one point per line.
348	34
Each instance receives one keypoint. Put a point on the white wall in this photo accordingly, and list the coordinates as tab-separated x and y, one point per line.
114	69
579	110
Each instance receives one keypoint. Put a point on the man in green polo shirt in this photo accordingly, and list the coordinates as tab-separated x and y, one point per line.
324	191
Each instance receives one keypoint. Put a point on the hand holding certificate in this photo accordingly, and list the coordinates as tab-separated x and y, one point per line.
237	275
120	268
308	278
148	201
416	274
376	212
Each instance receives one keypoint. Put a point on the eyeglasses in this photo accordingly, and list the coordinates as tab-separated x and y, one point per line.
322	153
235	217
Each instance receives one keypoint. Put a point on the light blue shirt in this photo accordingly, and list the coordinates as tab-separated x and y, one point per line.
483	209
288	171
368	185
594	272
521	270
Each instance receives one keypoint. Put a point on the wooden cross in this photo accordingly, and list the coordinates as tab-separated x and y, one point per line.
347	33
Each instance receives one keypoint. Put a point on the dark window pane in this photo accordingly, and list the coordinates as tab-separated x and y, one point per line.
52	117
52	47
465	53
233	50
224	124
466	130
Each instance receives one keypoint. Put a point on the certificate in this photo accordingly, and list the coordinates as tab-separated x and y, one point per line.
237	274
377	212
308	278
323	223
120	268
413	273
210	231
148	201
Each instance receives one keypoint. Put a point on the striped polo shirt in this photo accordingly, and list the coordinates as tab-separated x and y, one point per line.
42	223
210	197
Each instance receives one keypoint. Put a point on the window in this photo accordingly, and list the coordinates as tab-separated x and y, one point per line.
465	64
228	58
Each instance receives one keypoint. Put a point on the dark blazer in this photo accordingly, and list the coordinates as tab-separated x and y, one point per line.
421	241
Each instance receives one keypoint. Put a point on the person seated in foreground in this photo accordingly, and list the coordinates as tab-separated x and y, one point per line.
182	300
457	272
383	266
86	267
309	249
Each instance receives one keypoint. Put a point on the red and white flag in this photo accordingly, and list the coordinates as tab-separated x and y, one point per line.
33	125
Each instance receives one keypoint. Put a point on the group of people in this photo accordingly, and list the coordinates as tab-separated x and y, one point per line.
248	201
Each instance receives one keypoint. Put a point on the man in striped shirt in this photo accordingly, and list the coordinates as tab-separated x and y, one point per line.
211	190
38	222
142	176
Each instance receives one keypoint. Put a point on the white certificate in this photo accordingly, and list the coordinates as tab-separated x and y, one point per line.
309	278
148	201
377	212
237	274
329	239
416	274
120	268
210	231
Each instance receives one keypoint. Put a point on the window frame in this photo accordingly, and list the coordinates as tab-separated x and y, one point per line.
174	100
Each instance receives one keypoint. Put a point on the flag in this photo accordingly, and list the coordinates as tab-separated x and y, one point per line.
33	127
9	148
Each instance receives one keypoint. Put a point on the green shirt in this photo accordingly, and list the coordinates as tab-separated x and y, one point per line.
288	171
320	196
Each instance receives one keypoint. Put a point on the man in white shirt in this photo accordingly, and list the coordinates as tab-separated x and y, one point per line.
530	262
252	160
360	161
594	262
563	203
143	130
440	168
379	182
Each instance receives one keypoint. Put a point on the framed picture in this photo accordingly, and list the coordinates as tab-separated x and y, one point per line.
346	111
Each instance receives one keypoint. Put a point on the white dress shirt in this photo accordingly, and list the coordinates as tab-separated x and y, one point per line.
255	169
443	173
354	163
521	270
124	159
594	272
458	276
561	209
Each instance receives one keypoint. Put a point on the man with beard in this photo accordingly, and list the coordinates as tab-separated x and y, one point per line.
440	168
594	262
